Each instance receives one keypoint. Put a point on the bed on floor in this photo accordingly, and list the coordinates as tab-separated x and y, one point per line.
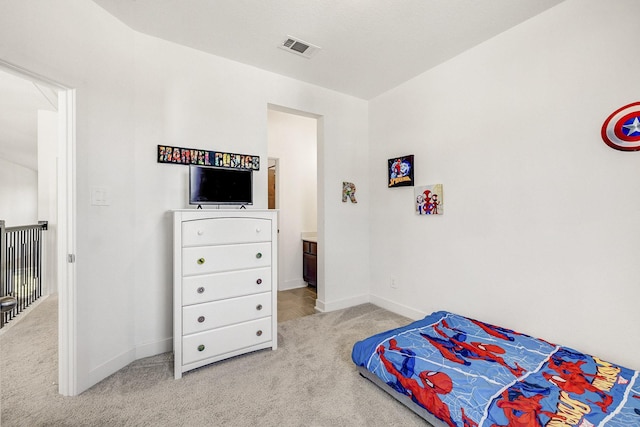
456	371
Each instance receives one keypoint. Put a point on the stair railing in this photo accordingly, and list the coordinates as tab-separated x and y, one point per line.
21	252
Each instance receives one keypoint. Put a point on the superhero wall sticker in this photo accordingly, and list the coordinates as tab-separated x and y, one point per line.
621	130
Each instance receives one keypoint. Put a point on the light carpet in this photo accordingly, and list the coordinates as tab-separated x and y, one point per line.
309	380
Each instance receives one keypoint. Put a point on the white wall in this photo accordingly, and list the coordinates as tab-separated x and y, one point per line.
540	231
136	92
292	140
18	194
47	194
190	99
79	45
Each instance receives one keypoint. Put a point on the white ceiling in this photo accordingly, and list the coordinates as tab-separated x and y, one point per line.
368	46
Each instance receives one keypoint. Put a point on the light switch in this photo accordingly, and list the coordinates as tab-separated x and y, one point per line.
100	196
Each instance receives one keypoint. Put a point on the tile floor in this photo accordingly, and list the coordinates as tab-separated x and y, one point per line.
296	303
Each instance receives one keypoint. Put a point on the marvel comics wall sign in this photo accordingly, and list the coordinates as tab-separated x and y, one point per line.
621	130
191	156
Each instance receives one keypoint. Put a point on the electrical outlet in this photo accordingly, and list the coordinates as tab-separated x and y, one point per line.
394	283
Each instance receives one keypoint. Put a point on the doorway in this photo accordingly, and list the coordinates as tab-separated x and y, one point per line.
61	170
272	183
292	189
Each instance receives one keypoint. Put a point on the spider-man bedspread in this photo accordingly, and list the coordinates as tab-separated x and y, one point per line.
468	373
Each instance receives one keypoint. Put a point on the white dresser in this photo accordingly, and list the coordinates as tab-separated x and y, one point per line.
225	284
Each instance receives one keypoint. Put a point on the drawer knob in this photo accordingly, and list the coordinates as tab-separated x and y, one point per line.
259	281
259	307
200	261
200	232
200	319
201	290
201	347
259	255
259	333
258	229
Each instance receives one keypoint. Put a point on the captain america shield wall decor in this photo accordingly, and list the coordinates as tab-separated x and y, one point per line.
621	130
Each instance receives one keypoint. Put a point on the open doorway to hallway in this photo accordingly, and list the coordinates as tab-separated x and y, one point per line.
292	151
28	151
52	163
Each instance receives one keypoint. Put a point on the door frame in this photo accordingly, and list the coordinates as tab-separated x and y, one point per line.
320	206
275	166
66	231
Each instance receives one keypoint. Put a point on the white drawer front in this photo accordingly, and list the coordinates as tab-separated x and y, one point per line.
214	231
213	259
217	286
224	340
201	317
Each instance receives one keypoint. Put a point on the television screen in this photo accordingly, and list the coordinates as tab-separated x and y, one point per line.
219	186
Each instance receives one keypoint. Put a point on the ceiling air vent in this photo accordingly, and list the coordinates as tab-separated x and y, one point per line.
299	47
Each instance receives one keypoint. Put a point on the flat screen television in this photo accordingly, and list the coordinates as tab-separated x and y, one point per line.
210	185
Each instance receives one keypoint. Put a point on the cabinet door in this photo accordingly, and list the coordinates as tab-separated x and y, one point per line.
309	269
213	259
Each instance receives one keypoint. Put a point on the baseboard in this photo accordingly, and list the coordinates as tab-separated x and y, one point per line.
400	309
110	367
323	306
292	284
154	348
114	365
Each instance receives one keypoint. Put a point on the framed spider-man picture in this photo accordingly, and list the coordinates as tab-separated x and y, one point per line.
429	200
400	171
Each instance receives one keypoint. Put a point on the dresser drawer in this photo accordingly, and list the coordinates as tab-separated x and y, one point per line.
224	340
215	231
201	317
213	259
217	286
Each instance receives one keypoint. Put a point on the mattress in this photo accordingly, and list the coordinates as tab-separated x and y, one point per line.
457	371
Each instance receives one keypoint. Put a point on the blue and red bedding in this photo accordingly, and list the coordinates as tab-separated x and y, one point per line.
468	373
